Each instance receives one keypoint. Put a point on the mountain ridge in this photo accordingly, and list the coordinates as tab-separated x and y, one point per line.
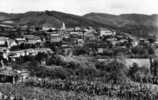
53	18
136	24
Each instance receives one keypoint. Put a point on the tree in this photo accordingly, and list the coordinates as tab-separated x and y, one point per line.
139	74
114	71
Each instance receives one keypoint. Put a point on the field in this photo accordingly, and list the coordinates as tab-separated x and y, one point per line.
36	93
79	90
82	78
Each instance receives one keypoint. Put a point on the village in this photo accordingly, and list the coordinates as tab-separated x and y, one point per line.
104	44
100	43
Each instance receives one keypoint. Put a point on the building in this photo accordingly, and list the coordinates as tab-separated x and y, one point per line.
70	29
106	32
8	76
90	35
20	40
32	39
47	27
63	26
55	37
76	34
33	52
4	40
77	28
12	43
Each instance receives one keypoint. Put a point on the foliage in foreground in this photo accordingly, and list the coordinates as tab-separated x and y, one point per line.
131	91
35	93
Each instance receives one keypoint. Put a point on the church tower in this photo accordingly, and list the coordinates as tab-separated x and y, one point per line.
63	26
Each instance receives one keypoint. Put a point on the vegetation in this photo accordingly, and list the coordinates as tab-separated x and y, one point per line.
82	77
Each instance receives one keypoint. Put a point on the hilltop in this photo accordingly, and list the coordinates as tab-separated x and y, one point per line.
140	25
137	24
49	18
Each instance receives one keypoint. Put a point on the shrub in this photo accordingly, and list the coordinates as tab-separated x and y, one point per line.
139	74
81	51
86	73
114	71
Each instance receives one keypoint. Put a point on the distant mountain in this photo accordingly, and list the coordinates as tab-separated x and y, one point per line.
4	16
136	24
49	18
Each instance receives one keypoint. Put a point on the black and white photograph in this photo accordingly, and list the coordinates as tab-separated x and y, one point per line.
78	49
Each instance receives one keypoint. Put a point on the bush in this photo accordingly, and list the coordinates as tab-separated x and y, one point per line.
55	60
81	51
114	71
139	74
86	73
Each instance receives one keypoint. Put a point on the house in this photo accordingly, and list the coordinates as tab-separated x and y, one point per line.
101	46
69	29
20	40
90	35
24	75
100	50
80	42
67	49
43	50
12	43
7	42
106	32
26	52
4	40
76	35
47	27
32	39
134	43
8	76
5	53
143	41
16	54
77	28
80	33
55	37
66	35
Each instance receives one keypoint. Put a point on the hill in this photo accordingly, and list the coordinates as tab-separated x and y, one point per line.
139	25
49	18
136	24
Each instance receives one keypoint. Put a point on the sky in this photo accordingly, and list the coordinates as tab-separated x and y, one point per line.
81	7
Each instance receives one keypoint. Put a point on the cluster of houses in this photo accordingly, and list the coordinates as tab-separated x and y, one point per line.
6	45
67	38
34	41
